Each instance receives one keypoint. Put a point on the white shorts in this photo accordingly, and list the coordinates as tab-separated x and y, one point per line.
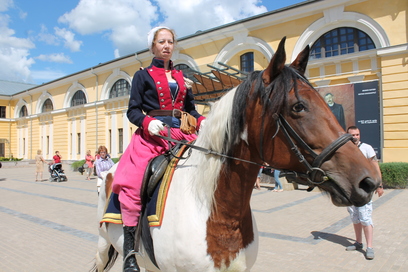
361	214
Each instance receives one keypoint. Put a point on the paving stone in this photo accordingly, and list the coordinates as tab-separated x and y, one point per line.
49	226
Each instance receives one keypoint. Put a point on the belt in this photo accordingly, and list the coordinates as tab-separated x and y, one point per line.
175	113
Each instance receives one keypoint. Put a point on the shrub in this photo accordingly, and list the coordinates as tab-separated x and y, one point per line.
77	164
394	174
10	159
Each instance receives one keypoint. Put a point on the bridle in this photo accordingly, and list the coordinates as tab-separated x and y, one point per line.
314	174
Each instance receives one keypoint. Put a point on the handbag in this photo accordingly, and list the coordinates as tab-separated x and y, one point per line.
188	123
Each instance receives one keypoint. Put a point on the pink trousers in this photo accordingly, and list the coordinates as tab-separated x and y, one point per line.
129	174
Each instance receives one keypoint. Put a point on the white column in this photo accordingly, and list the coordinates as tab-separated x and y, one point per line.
114	128
83	136
51	133
20	143
126	129
74	139
27	141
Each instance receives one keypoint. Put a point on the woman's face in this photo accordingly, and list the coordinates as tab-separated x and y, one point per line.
163	45
102	153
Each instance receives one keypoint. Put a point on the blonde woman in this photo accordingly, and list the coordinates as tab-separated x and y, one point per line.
89	160
39	162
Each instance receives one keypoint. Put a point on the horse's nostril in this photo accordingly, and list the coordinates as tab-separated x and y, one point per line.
367	184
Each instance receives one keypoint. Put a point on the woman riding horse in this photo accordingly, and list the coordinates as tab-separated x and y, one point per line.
161	92
274	116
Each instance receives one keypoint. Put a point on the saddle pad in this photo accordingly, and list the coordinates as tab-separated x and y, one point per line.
112	211
155	208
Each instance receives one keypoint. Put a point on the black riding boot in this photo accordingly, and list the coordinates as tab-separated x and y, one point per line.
129	254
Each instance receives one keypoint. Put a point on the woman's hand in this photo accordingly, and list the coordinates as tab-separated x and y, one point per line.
155	126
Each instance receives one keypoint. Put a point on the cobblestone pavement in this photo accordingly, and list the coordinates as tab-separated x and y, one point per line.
49	226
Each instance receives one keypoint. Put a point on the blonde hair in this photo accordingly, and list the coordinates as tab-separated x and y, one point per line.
39	152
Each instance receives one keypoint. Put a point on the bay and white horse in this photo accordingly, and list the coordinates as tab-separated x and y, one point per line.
275	116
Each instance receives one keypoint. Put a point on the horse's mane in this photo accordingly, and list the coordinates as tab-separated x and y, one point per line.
226	123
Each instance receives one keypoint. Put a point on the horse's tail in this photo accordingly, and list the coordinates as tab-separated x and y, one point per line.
112	256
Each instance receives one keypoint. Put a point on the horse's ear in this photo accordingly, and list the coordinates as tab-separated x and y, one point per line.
276	65
300	62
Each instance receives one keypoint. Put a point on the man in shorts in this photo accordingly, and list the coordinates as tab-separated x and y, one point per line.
361	216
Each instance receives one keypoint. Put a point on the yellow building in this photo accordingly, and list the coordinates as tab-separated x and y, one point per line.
359	55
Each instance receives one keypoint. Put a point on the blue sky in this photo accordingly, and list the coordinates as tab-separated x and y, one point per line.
43	40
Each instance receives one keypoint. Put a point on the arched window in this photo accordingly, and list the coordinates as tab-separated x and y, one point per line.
187	71
247	62
23	111
120	88
341	41
78	99
47	106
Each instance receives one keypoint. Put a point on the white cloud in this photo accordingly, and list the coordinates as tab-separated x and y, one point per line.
124	22
59	58
127	22
5	5
14	52
47	75
15	64
47	37
69	39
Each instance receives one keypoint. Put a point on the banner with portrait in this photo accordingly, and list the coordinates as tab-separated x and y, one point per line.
357	104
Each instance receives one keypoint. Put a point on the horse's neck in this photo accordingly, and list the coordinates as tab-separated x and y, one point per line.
230	226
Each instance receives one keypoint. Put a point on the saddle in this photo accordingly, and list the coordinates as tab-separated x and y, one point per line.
154	173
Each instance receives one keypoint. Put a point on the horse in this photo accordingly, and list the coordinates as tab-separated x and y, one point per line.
274	116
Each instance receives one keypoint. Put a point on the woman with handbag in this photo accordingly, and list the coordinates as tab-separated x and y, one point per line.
159	95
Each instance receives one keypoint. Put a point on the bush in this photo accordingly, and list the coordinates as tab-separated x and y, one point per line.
77	164
10	159
394	174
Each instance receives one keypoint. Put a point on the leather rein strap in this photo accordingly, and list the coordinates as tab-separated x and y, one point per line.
199	148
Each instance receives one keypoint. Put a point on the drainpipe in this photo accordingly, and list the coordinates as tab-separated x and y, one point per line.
96	108
31	126
9	106
141	64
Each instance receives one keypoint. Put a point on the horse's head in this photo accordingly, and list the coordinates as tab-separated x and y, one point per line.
295	130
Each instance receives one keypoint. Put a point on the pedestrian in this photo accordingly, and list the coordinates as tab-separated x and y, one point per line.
159	94
362	216
278	183
89	161
39	162
102	164
258	179
57	157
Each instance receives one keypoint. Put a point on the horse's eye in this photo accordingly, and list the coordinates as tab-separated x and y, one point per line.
298	107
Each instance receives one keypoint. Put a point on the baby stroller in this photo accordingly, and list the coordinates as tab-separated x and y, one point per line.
57	174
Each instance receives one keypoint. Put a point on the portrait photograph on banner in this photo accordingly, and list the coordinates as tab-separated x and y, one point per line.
357	104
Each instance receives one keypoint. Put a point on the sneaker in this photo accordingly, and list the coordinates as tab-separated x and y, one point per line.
355	246
369	253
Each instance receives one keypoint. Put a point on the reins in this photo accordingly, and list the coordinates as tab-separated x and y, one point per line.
199	148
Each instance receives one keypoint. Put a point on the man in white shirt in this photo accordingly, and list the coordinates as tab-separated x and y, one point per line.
361	216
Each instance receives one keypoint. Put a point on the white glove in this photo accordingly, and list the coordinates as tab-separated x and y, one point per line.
155	126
